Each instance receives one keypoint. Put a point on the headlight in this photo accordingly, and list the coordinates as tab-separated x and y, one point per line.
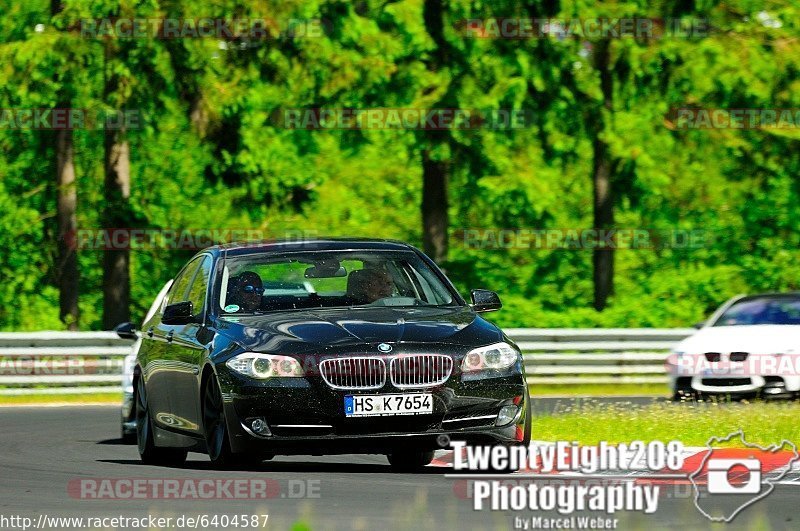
497	356
263	366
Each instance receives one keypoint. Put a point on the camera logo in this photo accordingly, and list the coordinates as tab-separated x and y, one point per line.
722	474
734	474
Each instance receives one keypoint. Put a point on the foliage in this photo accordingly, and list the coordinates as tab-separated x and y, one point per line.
213	152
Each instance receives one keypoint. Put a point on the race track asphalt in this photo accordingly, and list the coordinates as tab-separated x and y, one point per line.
45	453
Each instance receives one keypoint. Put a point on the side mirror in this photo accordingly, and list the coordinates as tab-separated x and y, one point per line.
699	325
178	313
126	330
484	300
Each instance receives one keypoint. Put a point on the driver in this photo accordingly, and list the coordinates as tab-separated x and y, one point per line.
369	285
248	291
379	285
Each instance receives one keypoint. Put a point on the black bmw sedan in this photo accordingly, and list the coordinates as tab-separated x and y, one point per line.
323	347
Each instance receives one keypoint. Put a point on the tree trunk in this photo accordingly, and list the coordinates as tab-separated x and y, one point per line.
603	259
67	272
66	203
116	262
435	221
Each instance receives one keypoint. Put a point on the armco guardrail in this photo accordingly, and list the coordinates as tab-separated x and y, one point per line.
91	362
61	362
596	355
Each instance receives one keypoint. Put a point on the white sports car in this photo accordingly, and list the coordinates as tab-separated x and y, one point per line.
127	331
749	346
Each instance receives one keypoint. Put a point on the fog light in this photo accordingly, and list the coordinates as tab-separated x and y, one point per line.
260	427
506	415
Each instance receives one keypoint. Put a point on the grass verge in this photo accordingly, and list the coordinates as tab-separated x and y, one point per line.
691	423
600	390
65	398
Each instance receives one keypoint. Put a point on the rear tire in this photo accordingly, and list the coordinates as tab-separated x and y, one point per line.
148	451
127	437
410	461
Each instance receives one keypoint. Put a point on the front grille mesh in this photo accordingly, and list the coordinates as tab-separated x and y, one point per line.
726	382
420	370
354	373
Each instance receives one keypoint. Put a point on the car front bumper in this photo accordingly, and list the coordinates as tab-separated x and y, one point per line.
305	416
735	385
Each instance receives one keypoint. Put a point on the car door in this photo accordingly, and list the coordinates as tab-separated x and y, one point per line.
157	357
130	360
189	345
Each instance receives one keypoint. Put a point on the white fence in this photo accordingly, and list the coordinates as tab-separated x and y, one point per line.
61	362
596	356
91	362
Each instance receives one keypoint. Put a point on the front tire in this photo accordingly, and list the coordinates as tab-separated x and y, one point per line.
148	451
409	461
528	429
216	430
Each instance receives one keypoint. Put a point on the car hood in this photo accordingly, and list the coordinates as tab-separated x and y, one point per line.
297	331
761	339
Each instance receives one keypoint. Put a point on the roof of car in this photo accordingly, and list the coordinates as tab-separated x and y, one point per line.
321	244
771	294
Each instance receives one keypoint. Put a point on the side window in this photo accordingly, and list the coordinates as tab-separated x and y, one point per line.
181	285
197	291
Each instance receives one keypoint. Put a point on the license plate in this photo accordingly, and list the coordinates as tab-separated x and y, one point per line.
385	405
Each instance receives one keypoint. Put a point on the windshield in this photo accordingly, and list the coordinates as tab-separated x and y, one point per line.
263	282
784	310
